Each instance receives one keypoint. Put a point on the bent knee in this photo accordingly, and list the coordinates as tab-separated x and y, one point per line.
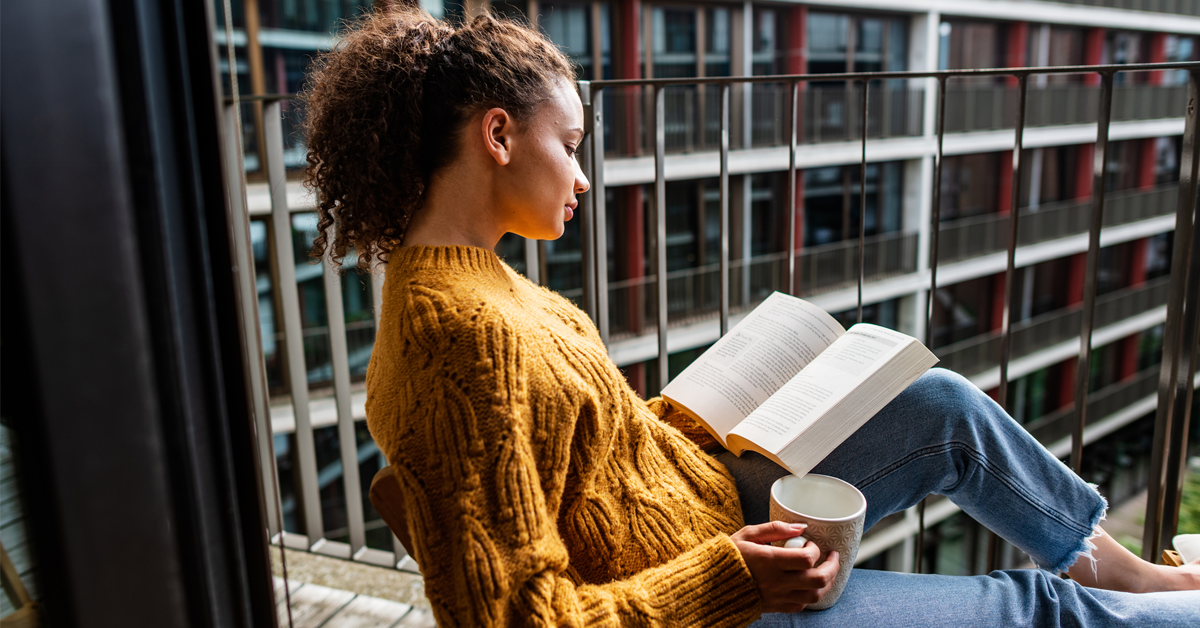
944	385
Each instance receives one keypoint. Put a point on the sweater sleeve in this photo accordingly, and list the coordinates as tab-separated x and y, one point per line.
685	424
483	483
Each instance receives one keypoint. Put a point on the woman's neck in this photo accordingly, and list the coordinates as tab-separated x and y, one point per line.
453	213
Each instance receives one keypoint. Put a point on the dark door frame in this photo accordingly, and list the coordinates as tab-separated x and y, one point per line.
123	366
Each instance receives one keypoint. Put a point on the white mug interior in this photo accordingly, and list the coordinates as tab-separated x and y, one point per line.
819	497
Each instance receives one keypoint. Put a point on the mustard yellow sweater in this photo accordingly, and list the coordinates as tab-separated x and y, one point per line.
539	488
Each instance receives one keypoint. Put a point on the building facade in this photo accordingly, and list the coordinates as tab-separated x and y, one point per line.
643	39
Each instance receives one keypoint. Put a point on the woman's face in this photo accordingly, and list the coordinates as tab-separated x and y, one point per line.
537	190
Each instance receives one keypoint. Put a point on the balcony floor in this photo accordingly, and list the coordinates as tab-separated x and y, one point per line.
390	598
334	593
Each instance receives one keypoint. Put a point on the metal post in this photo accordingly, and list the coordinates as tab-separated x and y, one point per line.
531	261
723	264
1010	271
933	265
1082	369
599	210
794	118
660	228
251	330
587	216
1153	537
347	441
281	223
1185	376
1009	274
862	199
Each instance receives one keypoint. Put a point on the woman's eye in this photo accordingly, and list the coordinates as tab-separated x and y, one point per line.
570	150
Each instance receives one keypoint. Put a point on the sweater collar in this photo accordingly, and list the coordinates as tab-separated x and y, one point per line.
460	258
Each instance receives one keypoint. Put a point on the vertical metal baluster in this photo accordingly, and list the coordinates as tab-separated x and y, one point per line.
660	228
347	442
933	266
600	210
862	199
281	223
1165	416
1082	368
587	232
1009	274
378	275
1185	376
794	92
531	261
723	264
251	329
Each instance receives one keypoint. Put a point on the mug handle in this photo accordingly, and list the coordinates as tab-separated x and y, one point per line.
795	542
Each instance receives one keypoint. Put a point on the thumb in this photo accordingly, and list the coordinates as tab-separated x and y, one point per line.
772	531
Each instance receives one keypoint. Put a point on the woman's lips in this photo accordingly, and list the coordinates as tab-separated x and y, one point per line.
570	210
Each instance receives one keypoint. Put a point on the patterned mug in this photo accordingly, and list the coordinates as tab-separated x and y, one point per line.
834	511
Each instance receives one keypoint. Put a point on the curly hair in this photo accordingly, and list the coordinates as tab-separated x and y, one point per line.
385	107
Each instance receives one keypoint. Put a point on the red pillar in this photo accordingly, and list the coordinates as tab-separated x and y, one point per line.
797	57
635	252
1004	180
1137	278
1066	383
1093	52
1146	163
1158	54
1016	45
1083	171
629	66
799	231
997	301
1075	279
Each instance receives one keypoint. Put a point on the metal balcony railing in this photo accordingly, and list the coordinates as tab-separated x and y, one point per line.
1178	7
982	235
990	108
1056	426
976	355
694	293
333	482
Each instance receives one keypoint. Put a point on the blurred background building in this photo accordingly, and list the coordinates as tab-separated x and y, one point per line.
275	39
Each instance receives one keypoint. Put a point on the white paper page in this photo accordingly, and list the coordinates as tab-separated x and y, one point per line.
812	392
752	361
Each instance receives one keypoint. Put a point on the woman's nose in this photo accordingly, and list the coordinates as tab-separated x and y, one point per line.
581	182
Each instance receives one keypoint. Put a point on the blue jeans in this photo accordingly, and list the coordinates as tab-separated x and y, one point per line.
943	435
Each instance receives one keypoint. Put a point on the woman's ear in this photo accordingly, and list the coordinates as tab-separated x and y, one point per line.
498	134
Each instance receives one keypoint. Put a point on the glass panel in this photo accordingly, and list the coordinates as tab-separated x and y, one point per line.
674	40
828	36
570	27
716	42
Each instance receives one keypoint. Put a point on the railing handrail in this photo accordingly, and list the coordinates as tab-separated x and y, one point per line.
906	74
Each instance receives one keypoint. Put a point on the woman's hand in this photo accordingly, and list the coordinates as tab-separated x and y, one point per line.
787	579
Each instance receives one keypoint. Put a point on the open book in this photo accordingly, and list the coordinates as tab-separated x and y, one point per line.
791	384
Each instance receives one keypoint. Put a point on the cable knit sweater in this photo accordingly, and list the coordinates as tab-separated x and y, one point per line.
539	488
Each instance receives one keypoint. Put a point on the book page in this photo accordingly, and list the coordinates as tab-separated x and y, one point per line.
757	357
831	377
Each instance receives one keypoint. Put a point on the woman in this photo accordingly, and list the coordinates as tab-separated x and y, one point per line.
539	488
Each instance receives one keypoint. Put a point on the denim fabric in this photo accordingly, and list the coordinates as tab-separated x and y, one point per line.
943	435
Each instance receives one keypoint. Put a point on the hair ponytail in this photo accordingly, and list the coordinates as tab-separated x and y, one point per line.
384	108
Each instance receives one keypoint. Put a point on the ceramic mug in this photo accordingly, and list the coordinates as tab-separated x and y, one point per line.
833	510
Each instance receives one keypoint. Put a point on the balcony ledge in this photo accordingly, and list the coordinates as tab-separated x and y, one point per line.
640	170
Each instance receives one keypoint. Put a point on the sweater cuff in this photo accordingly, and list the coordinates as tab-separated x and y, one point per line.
708	585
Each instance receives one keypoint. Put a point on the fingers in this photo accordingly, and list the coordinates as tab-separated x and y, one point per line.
770	532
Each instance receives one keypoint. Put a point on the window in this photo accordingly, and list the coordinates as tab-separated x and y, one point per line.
832	197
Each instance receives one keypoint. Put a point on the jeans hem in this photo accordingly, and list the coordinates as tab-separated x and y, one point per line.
1085	546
